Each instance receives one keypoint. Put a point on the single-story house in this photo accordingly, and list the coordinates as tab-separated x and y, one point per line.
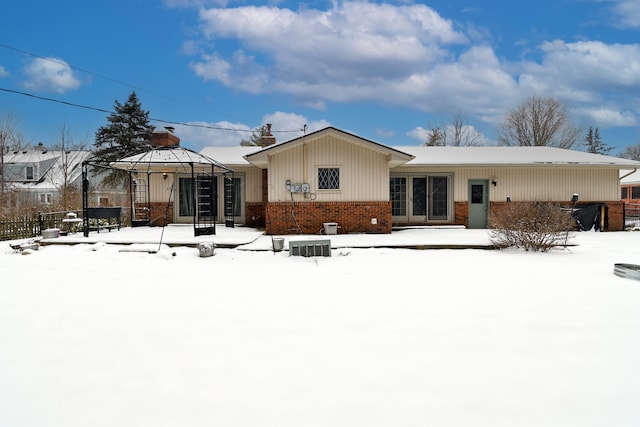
332	176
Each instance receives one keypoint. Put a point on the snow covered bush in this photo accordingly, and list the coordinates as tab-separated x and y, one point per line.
532	226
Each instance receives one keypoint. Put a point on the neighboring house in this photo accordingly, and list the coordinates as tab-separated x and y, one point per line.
366	187
630	187
35	177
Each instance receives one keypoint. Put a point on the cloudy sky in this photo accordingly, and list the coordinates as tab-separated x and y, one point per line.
387	71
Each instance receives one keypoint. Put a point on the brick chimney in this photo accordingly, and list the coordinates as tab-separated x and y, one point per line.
164	138
268	139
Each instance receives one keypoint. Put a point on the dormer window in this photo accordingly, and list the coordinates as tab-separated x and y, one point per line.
30	173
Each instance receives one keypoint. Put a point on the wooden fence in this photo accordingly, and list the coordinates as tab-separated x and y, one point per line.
19	228
27	227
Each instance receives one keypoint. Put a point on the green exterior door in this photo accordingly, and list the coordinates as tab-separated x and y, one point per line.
478	203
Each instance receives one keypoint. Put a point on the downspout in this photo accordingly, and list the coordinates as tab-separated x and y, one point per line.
630	173
305	172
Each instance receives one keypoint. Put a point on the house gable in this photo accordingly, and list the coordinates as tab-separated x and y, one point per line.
328	165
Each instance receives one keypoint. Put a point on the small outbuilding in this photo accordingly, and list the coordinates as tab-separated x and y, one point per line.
172	184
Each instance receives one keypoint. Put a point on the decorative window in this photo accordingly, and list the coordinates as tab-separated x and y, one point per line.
29	173
328	178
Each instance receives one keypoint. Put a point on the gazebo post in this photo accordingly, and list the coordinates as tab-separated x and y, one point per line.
85	200
194	194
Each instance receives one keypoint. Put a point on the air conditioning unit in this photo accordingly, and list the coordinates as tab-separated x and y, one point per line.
309	248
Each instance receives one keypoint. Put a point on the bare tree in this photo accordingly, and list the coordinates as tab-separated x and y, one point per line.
10	140
457	133
538	121
461	133
632	152
71	156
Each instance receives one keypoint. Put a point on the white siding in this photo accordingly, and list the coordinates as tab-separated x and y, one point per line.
252	183
364	173
534	183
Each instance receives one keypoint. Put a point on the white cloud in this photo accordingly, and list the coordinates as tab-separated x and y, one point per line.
420	134
50	75
408	56
3	72
203	134
304	51
285	126
598	81
607	117
627	13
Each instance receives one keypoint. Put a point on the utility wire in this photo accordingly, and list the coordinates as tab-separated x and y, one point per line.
72	104
66	64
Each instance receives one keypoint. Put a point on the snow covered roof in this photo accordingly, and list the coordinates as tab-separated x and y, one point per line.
231	156
50	167
465	156
173	157
507	156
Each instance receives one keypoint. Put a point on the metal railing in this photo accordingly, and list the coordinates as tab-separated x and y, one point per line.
632	215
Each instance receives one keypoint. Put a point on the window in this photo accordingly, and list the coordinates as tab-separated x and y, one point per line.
29	173
398	195
635	192
328	178
45	198
421	197
438	197
623	192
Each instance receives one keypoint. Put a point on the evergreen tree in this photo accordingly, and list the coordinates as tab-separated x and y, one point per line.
128	132
257	137
594	143
436	137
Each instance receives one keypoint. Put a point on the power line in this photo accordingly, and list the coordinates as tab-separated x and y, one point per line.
101	110
64	63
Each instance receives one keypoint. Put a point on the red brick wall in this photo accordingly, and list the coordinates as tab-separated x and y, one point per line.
462	213
352	217
615	216
254	215
158	210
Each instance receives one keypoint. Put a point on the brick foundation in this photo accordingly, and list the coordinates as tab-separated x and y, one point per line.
308	217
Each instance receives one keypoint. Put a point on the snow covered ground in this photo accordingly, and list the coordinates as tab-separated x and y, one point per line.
92	336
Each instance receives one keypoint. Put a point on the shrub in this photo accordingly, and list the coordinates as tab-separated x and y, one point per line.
532	226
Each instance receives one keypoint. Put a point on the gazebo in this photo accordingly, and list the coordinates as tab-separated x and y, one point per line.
170	183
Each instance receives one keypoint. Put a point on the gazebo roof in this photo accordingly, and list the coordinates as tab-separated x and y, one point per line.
175	157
